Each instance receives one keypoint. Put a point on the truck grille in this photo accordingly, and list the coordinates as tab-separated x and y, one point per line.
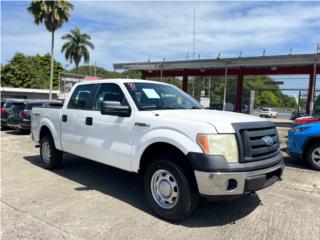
255	140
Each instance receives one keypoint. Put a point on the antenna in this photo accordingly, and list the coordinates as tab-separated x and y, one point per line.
194	34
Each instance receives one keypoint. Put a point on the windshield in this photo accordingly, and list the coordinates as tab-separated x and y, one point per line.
151	96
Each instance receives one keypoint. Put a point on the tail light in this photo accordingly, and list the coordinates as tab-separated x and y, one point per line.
23	114
307	120
2	110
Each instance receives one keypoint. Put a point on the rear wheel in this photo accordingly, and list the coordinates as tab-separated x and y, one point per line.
313	156
169	190
50	156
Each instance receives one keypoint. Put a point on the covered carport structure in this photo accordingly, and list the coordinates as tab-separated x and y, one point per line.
291	64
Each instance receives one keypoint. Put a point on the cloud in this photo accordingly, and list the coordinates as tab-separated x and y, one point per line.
126	31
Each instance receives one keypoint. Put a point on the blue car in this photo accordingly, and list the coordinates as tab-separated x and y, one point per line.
304	143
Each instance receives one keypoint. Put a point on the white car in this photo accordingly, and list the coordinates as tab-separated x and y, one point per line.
268	112
155	129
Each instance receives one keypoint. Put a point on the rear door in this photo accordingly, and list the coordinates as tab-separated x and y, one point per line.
73	120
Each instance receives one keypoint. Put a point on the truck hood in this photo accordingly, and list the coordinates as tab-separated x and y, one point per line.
221	120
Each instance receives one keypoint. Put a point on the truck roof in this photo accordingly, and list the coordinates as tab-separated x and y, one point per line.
118	80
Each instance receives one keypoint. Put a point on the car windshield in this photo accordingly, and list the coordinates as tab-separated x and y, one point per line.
153	96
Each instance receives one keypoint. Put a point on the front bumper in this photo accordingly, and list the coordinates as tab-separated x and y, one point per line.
212	184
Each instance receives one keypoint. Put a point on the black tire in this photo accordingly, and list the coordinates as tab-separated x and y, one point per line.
308	156
188	196
55	159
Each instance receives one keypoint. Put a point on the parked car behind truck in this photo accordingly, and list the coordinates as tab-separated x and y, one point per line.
304	143
6	105
182	150
20	113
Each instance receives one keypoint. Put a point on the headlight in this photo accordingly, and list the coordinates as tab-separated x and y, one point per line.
220	144
296	130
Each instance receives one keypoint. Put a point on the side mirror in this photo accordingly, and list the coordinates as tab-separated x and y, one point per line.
115	108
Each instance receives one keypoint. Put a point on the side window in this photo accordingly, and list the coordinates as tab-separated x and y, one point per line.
109	92
81	97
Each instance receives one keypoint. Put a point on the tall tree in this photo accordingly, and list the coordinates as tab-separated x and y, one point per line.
30	71
53	14
76	47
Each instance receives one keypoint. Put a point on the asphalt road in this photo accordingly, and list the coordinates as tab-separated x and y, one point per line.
88	200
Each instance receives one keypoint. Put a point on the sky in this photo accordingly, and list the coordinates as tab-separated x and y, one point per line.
138	31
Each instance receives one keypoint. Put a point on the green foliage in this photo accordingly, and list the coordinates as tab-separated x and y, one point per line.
76	46
101	72
52	13
265	94
317	104
29	72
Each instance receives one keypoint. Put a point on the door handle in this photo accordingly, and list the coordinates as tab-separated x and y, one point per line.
64	118
141	124
89	120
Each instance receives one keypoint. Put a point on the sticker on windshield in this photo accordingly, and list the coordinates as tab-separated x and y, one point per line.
132	86
151	93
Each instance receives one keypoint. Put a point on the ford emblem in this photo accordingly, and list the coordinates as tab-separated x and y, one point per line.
268	140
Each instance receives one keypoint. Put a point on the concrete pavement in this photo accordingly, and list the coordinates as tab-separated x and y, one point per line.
88	200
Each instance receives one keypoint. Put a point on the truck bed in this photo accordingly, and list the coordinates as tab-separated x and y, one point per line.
49	116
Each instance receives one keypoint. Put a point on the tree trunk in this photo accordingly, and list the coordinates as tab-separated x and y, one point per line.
77	68
51	69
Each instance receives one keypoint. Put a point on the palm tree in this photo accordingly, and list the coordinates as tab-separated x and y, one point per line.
76	47
53	14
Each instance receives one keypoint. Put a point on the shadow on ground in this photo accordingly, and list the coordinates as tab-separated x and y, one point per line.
128	187
14	132
297	163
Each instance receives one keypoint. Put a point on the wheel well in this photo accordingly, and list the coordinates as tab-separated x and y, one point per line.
309	142
160	149
44	131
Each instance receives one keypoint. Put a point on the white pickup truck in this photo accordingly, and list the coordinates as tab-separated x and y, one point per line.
183	151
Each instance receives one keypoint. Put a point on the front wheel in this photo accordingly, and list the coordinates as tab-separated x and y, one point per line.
169	191
313	156
50	156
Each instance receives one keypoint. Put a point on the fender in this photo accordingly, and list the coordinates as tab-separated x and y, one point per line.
55	135
175	138
308	139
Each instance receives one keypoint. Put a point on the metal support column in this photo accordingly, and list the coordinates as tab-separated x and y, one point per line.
185	82
239	93
309	106
143	76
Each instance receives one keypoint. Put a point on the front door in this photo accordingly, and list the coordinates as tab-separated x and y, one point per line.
110	137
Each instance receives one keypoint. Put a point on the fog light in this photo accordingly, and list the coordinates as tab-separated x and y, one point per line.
232	184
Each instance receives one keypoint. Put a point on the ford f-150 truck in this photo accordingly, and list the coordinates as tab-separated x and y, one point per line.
182	150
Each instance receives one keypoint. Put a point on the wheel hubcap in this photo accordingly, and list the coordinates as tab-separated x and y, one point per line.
316	156
46	152
164	189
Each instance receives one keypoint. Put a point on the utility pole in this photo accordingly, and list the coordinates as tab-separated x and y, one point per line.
95	68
